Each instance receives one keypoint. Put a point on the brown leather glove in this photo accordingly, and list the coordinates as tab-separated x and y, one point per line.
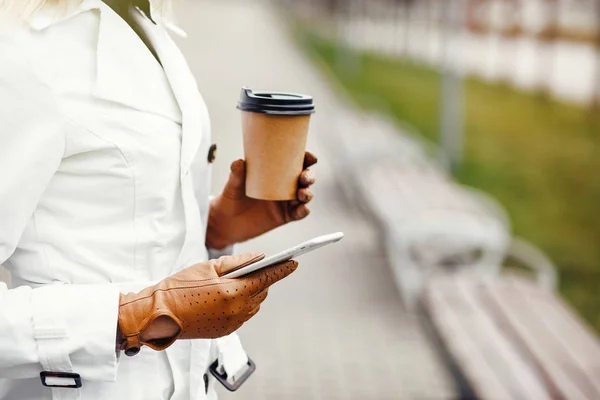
235	217
202	304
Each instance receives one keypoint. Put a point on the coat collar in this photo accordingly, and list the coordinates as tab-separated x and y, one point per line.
127	72
49	15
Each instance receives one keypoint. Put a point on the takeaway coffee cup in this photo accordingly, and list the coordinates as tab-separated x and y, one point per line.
275	129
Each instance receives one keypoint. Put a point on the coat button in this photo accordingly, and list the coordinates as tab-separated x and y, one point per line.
132	351
212	153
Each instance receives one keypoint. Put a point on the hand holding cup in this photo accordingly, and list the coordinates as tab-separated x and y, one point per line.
234	217
272	186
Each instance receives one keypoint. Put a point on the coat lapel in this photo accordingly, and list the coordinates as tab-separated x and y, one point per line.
183	85
194	114
127	72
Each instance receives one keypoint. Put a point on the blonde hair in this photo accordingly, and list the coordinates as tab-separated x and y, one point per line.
23	10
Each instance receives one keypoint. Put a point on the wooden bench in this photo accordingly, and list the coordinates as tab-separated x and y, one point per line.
432	224
509	338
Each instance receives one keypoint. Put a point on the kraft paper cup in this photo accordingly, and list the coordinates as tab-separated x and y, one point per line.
275	128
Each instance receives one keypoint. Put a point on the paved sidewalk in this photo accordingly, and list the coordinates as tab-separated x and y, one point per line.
336	329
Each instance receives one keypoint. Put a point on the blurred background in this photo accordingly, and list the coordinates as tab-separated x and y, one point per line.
459	146
459	143
507	89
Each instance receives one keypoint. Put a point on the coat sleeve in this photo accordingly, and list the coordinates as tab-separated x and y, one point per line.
57	327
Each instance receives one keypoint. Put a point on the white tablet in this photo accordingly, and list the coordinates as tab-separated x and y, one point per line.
288	254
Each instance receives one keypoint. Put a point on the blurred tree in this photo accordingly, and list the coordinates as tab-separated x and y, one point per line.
429	24
330	6
548	37
404	8
452	88
474	21
595	105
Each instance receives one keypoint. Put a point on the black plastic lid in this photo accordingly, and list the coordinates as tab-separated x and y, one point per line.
275	103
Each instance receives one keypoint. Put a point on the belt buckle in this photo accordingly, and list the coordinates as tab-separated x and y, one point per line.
239	381
44	375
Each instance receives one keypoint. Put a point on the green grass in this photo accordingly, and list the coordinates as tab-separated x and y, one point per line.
540	158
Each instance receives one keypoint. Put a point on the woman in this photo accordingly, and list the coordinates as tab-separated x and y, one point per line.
107	227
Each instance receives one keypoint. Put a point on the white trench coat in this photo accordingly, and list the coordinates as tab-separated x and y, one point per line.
104	179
